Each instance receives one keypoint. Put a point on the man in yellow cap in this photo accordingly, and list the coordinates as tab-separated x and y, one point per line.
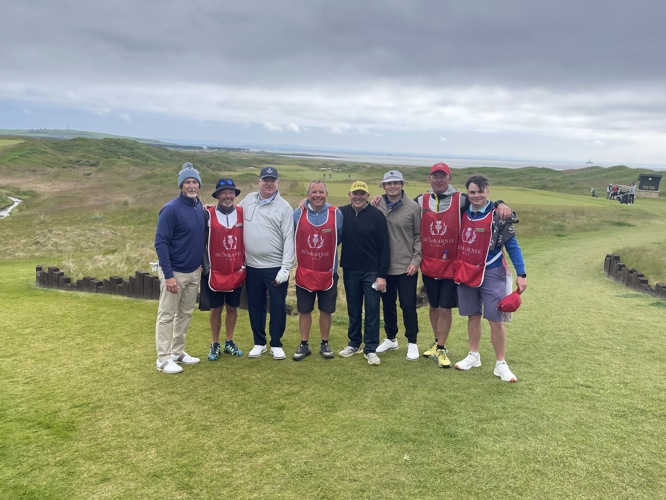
365	263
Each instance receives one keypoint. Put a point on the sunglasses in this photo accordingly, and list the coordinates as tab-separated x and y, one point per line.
225	182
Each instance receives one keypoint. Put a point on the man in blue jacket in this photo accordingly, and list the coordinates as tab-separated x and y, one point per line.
179	242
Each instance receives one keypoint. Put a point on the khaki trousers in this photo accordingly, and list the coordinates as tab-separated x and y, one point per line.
174	313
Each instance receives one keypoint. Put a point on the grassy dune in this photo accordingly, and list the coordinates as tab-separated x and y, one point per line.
84	413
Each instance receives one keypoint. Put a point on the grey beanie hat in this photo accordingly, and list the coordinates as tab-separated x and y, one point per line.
188	172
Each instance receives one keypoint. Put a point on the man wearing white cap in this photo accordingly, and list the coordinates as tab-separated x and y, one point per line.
179	243
268	234
403	216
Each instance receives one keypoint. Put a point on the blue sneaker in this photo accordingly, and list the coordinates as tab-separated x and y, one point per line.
230	347
214	352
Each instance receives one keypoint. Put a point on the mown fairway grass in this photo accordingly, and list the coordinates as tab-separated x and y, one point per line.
84	413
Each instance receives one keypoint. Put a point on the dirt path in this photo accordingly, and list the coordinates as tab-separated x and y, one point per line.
5	213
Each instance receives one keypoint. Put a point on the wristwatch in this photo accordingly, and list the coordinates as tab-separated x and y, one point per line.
522	275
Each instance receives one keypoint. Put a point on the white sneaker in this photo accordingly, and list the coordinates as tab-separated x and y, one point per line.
348	351
388	345
257	351
185	358
504	373
168	366
471	361
372	358
412	352
277	352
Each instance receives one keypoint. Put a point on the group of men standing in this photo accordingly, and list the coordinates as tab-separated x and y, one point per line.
384	242
618	192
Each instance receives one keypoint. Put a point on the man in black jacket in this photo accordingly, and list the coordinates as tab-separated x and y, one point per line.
365	264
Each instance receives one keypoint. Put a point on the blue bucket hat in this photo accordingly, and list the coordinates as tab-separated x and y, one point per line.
225	184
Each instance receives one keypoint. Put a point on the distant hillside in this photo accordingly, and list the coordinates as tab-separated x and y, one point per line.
578	181
51	133
118	158
111	157
57	134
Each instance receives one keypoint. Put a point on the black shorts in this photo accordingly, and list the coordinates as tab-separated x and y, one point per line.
325	298
441	293
209	299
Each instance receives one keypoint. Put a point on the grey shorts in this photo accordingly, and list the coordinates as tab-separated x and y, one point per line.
325	298
484	299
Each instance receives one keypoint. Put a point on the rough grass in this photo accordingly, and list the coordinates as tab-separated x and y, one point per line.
649	259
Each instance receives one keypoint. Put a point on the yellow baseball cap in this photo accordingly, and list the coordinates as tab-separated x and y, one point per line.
359	186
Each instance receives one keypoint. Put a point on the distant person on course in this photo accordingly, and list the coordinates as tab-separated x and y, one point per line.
179	242
318	231
268	234
224	267
632	193
483	274
441	210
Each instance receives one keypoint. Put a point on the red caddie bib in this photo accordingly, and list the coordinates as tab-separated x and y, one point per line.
226	252
439	238
473	248
315	252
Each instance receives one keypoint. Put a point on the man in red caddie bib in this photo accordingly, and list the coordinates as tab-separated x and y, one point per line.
224	266
483	274
318	231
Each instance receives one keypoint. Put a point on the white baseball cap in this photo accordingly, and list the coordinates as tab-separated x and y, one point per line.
392	176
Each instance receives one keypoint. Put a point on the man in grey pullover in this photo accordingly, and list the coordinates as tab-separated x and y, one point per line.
268	234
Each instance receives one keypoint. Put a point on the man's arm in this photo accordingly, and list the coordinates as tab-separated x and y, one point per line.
338	224
205	264
163	235
287	229
297	216
384	246
516	256
413	267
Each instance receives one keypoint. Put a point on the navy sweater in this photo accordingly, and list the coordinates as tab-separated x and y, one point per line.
365	240
180	236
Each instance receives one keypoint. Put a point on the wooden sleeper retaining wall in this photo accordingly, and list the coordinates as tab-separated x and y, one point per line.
631	278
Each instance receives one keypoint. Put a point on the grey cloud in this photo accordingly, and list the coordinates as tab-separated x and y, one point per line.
486	42
584	69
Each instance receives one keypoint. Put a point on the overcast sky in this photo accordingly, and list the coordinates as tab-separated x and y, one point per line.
557	80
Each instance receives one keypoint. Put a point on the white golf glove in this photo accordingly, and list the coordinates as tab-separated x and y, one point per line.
282	276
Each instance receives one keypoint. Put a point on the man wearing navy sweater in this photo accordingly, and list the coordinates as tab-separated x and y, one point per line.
179	242
365	262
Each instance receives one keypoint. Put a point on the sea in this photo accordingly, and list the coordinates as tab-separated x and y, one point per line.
451	161
414	160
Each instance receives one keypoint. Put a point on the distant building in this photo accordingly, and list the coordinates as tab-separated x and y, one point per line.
648	185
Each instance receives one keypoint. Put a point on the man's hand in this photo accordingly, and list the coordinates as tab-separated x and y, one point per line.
381	284
282	276
521	284
411	270
171	285
301	205
375	200
505	213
